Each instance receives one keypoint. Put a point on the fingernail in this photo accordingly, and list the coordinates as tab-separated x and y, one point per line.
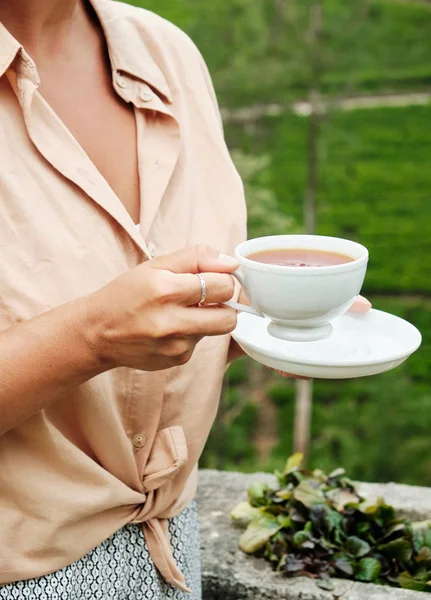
227	260
361	305
364	301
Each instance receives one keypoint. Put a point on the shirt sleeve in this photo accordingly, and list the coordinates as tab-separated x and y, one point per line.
211	90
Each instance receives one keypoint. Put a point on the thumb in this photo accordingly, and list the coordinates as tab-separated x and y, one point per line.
361	305
195	259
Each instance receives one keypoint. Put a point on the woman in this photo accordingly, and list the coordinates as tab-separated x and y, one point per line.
107	390
113	340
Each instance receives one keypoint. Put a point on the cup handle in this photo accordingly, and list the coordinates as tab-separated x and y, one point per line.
239	274
242	307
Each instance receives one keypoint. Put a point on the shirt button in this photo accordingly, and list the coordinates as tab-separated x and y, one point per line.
139	440
145	95
151	249
121	81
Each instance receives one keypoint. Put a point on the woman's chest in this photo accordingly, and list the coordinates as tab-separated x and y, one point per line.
102	123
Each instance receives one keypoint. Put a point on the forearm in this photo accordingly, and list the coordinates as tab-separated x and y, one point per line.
43	359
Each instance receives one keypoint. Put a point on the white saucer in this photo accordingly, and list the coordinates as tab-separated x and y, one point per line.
360	344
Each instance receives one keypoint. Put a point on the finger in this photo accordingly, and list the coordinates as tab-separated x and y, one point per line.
207	320
361	305
195	259
288	375
174	346
161	362
219	287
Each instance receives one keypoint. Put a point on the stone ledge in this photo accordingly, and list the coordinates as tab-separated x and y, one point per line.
228	574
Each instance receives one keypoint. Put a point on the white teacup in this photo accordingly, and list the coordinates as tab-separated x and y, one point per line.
300	301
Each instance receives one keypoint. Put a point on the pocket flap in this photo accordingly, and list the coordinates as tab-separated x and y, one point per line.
168	454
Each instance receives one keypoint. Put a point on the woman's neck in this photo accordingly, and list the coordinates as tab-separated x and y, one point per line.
42	26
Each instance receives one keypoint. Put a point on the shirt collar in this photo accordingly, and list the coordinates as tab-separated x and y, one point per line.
127	49
9	48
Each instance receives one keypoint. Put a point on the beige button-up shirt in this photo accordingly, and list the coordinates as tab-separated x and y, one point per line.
124	446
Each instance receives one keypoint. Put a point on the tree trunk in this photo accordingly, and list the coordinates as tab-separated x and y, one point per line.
312	163
303	408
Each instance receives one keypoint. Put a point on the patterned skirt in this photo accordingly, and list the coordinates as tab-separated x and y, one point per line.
121	569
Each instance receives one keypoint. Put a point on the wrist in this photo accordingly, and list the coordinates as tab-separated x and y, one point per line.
92	328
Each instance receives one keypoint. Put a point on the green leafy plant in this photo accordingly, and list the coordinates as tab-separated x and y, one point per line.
318	525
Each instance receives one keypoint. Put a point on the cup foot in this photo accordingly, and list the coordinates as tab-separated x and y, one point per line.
299	334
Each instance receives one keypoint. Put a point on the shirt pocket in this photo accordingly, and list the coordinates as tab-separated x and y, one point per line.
168	454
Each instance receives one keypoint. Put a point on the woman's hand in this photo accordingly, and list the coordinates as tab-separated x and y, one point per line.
145	319
148	318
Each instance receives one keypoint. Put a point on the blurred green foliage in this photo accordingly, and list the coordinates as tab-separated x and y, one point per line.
263	210
257	53
374	186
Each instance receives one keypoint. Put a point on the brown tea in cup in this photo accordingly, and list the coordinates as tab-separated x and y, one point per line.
300	257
